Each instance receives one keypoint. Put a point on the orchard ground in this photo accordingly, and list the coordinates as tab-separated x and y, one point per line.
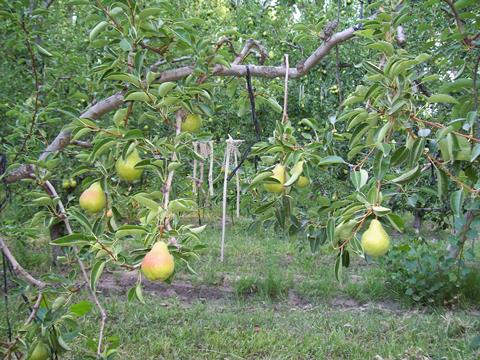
271	300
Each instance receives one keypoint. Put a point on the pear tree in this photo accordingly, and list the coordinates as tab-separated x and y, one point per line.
151	62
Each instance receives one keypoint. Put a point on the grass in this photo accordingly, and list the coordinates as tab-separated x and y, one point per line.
286	304
168	329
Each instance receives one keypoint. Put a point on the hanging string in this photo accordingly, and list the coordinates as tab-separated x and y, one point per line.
256	125
5	297
285	95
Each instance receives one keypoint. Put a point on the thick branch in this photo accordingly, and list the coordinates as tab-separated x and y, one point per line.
249	45
116	100
17	268
63	138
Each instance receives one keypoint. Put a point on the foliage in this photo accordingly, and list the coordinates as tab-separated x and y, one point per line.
425	273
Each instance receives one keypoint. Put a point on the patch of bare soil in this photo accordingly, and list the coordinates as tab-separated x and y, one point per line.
120	283
186	292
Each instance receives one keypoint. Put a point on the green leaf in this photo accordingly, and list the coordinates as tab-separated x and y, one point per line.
475	153
43	51
145	13
140	96
331	230
456	202
165	88
144	201
260	178
75	239
181	205
274	105
359	178
63	344
442	98
381	164
139	293
102	25
382	46
96	272
338	266
295	173
124	77
333	159
396	221
383	131
442	183
456	85
380	210
461	4
407	176
81	308
127	230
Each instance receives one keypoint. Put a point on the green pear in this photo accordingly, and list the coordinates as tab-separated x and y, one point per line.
279	173
93	199
192	123
126	167
40	352
375	241
302	182
158	264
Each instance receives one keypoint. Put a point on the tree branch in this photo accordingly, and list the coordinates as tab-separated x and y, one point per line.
63	138
249	45
116	100
17	268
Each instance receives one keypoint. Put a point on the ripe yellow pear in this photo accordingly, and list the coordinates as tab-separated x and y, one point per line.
279	173
375	241
126	167
158	264
192	123
93	199
40	352
302	182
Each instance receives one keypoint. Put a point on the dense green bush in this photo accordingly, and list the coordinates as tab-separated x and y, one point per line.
427	274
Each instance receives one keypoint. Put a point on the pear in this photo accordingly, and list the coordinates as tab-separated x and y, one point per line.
126	167
93	199
375	241
302	182
158	264
279	174
40	352
192	123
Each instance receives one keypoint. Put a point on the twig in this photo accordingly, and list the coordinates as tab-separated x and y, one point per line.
83	144
36	306
441	126
439	165
107	13
50	189
5	297
18	269
458	21
249	45
475	96
37	90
